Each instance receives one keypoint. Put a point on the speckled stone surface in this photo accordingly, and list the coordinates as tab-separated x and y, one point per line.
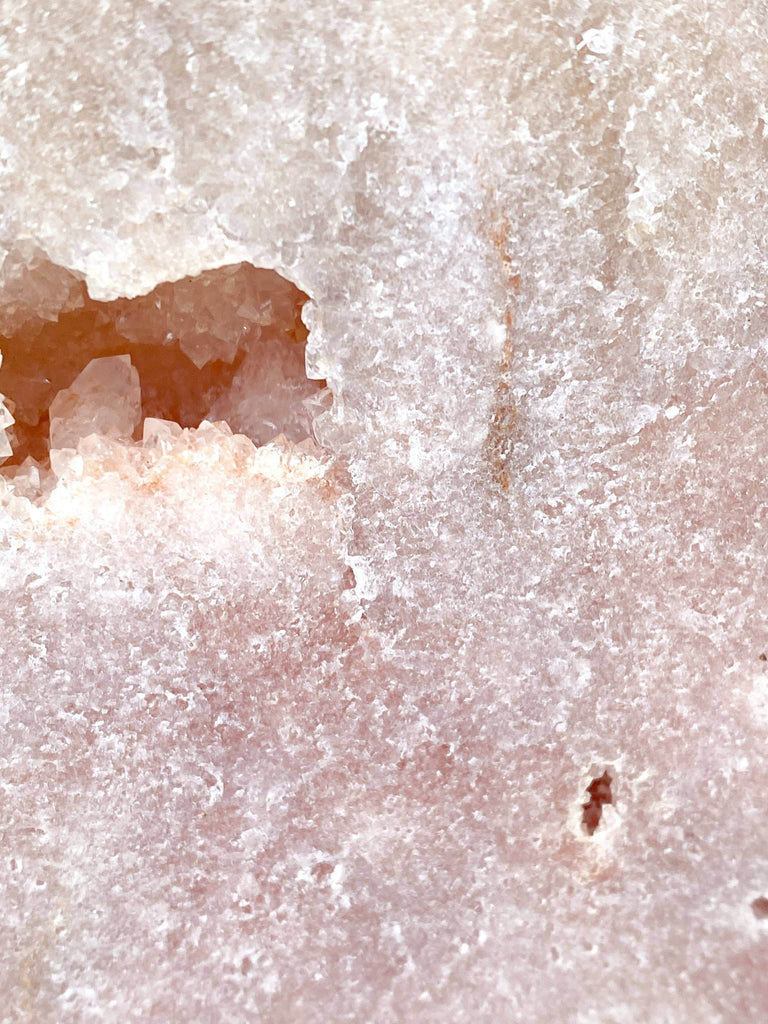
460	713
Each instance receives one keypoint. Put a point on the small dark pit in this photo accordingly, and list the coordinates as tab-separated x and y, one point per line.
599	791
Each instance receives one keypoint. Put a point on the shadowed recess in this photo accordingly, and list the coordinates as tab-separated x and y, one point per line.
599	791
228	344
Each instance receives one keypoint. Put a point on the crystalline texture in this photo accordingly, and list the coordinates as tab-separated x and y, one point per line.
253	376
104	399
211	315
34	289
6	420
305	733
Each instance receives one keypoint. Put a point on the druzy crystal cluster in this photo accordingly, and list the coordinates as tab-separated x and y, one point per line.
383	616
226	345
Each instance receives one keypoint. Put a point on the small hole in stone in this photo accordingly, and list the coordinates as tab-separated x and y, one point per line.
348	578
763	657
760	908
599	792
228	344
322	871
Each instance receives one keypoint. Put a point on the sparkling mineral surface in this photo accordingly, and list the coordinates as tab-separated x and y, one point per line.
383	566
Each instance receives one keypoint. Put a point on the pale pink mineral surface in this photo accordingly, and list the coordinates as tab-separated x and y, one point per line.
414	670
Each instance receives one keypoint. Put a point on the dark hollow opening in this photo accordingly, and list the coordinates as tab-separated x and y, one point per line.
599	792
228	344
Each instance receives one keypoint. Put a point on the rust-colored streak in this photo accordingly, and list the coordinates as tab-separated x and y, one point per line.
503	424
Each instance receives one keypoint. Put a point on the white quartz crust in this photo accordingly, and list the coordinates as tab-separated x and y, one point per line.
302	736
